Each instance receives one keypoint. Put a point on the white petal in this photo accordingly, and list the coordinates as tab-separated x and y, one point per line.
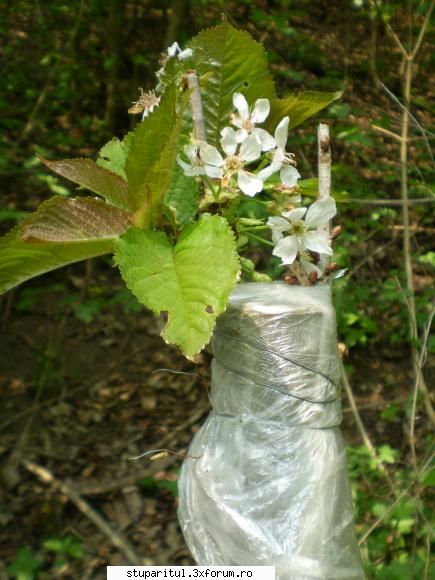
191	151
185	166
261	110
317	242
286	249
278	157
295	214
266	140
174	49
194	171
289	175
276	236
250	149
281	133
278	223
321	211
241	105
268	171
214	172
210	155
241	135
249	183
229	140
185	54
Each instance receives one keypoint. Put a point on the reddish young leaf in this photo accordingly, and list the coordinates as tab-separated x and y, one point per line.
88	174
63	219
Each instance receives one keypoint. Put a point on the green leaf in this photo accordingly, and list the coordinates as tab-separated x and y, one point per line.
74	219
88	174
21	260
405	525
298	107
25	566
151	158
387	454
113	155
191	281
182	198
229	60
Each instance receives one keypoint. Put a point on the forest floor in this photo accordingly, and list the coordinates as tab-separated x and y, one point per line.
80	399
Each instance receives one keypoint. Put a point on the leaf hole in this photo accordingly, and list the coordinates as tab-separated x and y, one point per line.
209	309
246	84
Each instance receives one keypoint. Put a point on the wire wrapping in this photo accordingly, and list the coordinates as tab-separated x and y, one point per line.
270	485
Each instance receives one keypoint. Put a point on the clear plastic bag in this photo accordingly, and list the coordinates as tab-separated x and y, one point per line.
267	481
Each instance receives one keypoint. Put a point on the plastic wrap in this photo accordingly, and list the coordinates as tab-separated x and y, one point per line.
267	481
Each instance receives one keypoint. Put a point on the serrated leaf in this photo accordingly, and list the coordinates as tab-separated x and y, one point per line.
74	219
182	198
298	107
151	158
88	174
113	155
191	281
230	61
21	260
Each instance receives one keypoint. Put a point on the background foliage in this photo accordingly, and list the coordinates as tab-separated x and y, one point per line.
70	71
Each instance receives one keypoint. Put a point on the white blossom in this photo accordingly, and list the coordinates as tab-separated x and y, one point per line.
281	160
247	119
175	50
196	165
303	234
205	159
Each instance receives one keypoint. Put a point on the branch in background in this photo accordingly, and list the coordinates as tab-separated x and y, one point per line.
380	464
399	498
115	538
403	139
396	202
422	359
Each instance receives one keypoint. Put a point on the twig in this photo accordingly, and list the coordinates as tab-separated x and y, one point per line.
395	202
364	435
324	161
369	257
405	111
412	419
168	440
66	489
406	119
422	31
324	172
386	132
396	502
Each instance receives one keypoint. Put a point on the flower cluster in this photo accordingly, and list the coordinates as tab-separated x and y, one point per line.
303	234
242	145
295	233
